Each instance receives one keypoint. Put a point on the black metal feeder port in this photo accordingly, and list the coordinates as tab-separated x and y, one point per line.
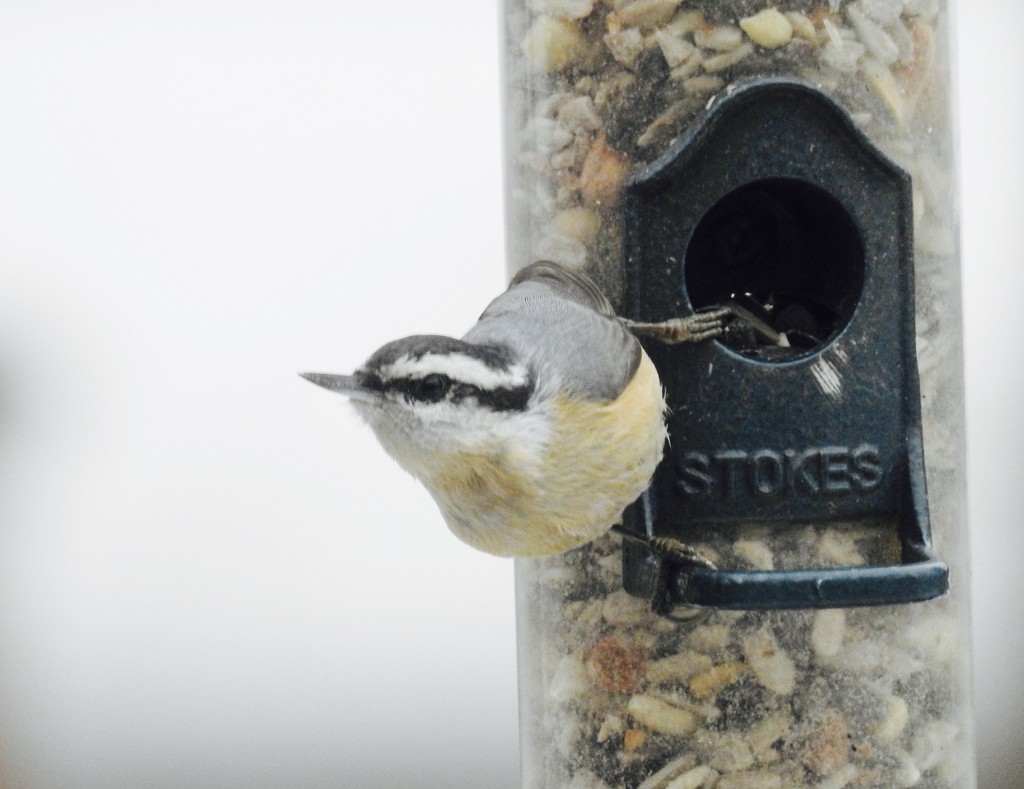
808	410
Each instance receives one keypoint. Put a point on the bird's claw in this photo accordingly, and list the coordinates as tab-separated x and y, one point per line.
680	553
706	324
669	548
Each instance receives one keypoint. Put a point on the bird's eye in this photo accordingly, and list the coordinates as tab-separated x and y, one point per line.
431	388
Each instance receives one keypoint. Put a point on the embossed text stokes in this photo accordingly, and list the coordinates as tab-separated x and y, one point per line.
813	471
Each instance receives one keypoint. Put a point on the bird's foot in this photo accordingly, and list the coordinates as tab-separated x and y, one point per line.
703	325
669	548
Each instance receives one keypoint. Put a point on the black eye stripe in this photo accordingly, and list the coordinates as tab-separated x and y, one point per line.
462	391
436	387
515	399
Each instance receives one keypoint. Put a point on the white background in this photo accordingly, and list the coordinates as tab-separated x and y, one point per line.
210	575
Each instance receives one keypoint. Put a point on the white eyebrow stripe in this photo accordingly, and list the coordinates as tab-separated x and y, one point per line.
460	368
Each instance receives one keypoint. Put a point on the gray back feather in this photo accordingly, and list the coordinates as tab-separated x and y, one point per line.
564	328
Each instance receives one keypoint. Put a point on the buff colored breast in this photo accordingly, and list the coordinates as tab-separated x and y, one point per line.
599	457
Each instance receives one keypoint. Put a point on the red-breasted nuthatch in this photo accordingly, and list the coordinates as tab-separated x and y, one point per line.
540	426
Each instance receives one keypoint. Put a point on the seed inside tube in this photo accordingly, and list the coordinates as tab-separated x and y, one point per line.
662	717
769	28
604	88
552	44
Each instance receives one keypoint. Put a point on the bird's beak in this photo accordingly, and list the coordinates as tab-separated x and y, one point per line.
348	385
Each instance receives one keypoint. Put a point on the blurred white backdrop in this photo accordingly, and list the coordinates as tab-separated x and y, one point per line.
210	575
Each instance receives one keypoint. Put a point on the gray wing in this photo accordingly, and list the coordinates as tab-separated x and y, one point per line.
560	323
566	283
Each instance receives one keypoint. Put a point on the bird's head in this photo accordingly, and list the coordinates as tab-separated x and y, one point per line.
426	396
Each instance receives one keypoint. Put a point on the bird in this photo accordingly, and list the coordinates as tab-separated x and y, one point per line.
540	426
